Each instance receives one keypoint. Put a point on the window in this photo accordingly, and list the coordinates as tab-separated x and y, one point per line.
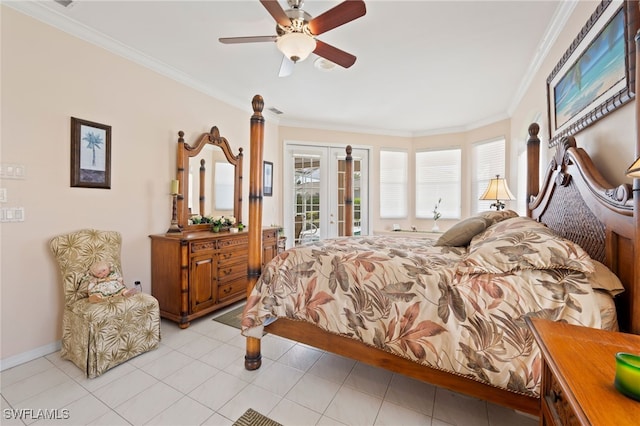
521	193
393	184
438	176
488	160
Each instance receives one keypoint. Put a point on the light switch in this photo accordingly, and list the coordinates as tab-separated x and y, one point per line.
12	214
13	171
20	171
18	214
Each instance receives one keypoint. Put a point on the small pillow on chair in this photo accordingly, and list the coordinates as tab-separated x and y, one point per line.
462	232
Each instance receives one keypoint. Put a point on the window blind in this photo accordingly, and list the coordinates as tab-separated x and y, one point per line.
488	161
438	176
393	184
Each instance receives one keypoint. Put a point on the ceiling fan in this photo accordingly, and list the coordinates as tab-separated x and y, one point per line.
296	32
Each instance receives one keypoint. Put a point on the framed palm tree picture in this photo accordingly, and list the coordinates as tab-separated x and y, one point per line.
596	75
90	154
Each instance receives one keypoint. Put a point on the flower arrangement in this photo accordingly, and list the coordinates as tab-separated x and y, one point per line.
223	221
217	221
436	210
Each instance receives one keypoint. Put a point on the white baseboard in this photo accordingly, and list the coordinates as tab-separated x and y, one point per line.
12	361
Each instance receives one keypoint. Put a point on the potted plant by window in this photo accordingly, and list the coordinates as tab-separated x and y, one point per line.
436	215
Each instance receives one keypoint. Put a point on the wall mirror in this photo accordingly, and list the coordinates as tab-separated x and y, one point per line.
210	180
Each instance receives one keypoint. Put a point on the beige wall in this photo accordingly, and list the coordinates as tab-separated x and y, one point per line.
610	141
48	76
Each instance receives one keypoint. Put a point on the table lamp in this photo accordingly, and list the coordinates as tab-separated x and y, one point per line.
499	191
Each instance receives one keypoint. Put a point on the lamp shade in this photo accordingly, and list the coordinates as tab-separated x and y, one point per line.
634	169
499	191
296	46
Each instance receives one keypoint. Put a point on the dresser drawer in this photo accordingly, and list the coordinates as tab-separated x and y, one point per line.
232	271
238	241
230	258
555	403
198	247
269	236
232	289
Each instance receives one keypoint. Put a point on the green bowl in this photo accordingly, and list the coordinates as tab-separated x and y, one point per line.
628	374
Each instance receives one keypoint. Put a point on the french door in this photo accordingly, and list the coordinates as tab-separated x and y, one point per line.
314	178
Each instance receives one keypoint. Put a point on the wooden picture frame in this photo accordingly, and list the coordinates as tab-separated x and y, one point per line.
267	179
90	154
596	75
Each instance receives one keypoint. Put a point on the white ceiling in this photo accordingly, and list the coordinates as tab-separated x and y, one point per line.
423	67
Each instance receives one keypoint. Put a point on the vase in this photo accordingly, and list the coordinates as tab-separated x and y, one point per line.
435	228
215	228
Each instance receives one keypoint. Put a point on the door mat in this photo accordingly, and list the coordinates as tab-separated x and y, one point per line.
253	418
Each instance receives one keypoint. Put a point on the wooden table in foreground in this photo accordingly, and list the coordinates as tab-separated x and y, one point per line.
578	373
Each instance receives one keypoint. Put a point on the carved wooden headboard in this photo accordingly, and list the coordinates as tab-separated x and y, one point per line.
579	204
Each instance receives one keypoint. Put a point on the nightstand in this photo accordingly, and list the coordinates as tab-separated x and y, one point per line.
578	372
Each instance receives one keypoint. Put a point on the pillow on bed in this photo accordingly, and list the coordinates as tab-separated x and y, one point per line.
498	229
462	232
604	279
494	217
535	247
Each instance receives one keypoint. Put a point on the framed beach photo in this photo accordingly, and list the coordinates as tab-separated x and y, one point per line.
267	179
90	154
596	75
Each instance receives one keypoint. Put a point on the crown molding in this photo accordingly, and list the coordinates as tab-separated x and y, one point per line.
559	20
46	12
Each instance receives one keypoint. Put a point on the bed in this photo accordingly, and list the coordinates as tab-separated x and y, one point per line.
453	315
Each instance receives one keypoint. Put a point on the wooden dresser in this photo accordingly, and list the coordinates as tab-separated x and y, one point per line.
196	273
578	373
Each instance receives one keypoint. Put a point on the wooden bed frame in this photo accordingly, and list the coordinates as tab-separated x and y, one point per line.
574	200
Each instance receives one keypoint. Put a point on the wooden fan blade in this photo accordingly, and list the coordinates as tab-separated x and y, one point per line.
341	14
286	67
278	13
252	39
334	54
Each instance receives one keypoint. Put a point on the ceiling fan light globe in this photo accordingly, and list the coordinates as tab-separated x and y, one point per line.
296	46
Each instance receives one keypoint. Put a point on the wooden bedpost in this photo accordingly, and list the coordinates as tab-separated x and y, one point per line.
253	358
348	193
533	164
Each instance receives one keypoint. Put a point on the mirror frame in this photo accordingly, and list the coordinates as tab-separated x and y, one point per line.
185	152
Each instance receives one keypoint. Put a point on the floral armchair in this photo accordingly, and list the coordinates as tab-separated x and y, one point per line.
99	336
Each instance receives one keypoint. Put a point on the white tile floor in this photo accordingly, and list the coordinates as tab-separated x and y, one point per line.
197	377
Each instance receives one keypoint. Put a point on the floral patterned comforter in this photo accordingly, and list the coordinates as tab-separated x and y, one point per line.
438	306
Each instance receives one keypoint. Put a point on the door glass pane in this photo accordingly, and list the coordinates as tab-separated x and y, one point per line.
307	198
357	164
